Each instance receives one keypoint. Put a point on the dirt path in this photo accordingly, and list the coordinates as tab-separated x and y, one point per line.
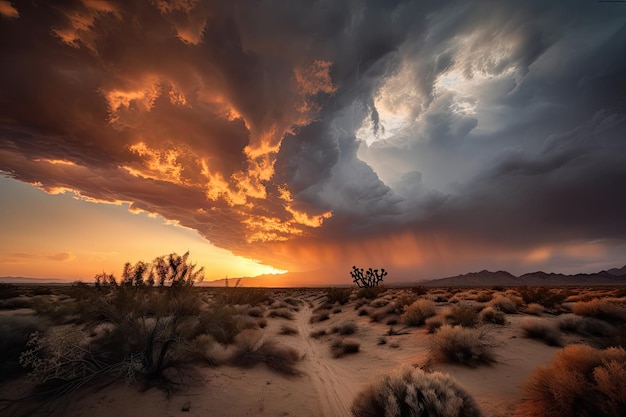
333	381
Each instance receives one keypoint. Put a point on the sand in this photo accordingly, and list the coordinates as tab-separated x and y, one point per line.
327	384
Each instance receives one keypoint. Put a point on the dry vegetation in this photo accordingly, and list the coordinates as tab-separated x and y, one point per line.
66	338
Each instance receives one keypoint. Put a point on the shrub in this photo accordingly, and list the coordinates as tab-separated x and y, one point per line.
370	293
256	311
419	290
581	381
288	330
283	313
463	314
491	315
535	309
242	296
363	312
345	328
484	297
338	295
569	322
601	309
504	304
418	312
320	316
433	323
342	347
541	295
220	323
540	329
318	333
250	352
413	392
462	345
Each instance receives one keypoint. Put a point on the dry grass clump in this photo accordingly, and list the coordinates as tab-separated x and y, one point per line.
322	315
535	309
283	313
433	323
484	296
363	312
569	322
540	329
345	328
504	304
256	311
250	352
342	347
370	293
463	314
462	345
381	313
242	296
601	309
416	313
492	315
581	381
338	295
545	296
413	392
316	334
288	330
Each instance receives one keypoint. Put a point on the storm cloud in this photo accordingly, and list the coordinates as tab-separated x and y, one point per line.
428	137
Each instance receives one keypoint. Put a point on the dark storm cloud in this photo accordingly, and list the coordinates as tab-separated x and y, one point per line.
419	125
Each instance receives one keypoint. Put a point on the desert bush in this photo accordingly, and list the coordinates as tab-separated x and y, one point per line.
540	329
581	381
462	345
413	392
504	304
601	309
345	328
256	311
569	322
463	314
281	313
419	290
15	331
363	312
418	312
288	330
360	303
433	323
492	315
545	296
535	309
316	334
379	302
405	300
342	347
219	322
381	313
484	297
338	295
370	293
336	310
319	316
250	352
293	301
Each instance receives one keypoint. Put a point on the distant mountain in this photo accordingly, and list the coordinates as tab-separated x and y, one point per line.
617	271
26	280
614	276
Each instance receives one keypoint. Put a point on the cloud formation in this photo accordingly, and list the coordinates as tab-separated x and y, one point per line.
428	137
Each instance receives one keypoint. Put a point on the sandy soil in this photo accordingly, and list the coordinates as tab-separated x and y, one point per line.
327	384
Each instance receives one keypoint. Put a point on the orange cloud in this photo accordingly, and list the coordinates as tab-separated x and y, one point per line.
7	10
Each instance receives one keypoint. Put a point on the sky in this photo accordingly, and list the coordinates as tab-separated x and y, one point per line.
431	138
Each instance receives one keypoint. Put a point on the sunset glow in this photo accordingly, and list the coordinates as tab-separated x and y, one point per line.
430	139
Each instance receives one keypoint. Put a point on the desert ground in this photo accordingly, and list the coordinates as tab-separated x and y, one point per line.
300	352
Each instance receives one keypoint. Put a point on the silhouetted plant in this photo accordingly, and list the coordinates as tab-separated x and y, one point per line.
369	278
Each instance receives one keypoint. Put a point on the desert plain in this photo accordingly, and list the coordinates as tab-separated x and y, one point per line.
239	352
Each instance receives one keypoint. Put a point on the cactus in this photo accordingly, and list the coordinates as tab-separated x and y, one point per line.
367	279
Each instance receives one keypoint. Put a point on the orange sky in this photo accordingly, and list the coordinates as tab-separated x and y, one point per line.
428	138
